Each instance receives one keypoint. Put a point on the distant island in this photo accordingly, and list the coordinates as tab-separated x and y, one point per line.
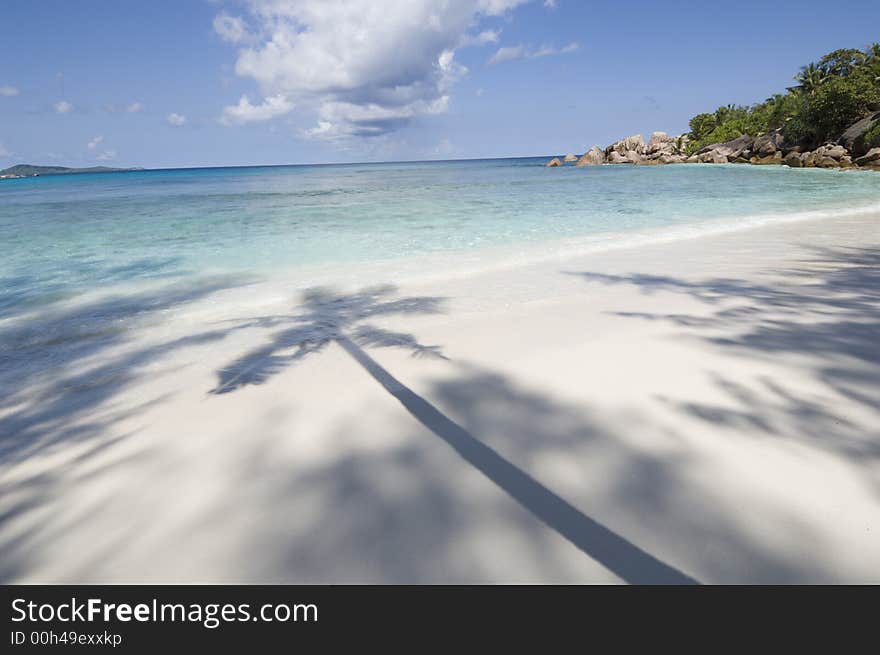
29	170
830	119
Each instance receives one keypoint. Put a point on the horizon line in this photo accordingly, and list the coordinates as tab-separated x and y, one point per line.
133	169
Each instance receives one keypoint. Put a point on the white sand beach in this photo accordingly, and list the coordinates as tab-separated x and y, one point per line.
703	410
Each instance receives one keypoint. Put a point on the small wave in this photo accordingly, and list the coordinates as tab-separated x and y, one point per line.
707	227
507	257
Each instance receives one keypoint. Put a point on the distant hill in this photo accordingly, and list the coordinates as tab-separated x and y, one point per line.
29	170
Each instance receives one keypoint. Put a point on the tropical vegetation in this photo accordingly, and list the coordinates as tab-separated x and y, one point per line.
830	95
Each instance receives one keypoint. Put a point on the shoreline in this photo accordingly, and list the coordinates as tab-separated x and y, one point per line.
709	400
436	266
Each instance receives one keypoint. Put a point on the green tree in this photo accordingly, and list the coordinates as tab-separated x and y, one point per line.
872	61
840	102
701	125
780	109
843	87
842	62
810	78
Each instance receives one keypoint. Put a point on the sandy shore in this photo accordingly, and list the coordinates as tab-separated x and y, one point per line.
705	410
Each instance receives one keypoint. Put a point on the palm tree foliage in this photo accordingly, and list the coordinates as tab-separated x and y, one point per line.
831	94
872	61
810	78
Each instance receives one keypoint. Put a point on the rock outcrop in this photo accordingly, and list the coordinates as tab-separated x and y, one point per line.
768	144
832	150
858	147
830	155
729	149
593	157
775	158
853	138
662	143
872	156
794	159
632	144
665	149
827	162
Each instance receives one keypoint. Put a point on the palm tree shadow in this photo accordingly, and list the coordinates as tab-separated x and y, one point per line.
329	317
326	317
823	309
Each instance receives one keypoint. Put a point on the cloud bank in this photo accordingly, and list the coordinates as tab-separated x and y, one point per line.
512	53
245	112
363	67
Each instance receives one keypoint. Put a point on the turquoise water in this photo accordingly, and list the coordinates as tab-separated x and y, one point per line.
64	234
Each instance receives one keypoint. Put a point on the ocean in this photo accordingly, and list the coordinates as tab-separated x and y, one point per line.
67	235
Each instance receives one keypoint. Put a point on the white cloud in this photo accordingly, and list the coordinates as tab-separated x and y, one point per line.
495	7
230	28
63	107
509	53
4	152
134	108
512	53
344	119
94	143
549	51
550	4
484	37
8	91
245	112
107	155
176	119
323	130
362	67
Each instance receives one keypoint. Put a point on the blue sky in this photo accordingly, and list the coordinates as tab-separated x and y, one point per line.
240	82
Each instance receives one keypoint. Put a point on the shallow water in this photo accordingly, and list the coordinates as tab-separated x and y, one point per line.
63	235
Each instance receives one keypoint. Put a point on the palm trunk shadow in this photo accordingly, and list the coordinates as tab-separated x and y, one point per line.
617	554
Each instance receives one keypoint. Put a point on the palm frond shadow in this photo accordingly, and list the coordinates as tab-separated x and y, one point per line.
823	310
325	317
64	373
58	368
